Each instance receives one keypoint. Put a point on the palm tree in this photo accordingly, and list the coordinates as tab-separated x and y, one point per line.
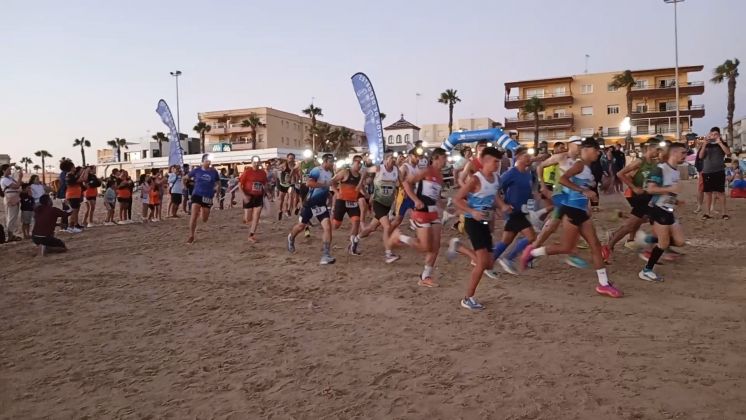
202	128
534	106
627	81
43	154
313	112
253	122
25	161
36	168
383	116
160	137
118	144
342	140
728	70
450	98
324	136
82	143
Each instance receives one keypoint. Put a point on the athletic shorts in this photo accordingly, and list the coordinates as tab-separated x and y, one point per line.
91	198
108	205
516	223
296	188
379	210
640	205
308	211
283	188
576	216
714	182
551	188
425	219
342	207
253	201
27	217
661	217
48	241
406	204
176	198
151	206
74	202
205	202
479	234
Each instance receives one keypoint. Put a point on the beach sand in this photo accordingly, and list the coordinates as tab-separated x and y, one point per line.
133	324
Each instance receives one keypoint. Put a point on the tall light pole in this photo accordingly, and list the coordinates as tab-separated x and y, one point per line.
676	68
176	75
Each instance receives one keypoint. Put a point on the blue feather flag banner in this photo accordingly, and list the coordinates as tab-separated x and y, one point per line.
176	153
369	105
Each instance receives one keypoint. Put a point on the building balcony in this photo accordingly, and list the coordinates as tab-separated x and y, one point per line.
694	111
668	90
546	122
548	99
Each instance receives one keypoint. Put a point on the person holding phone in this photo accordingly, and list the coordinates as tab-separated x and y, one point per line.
11	188
713	154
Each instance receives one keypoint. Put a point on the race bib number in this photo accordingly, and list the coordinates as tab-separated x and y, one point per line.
257	186
206	200
666	202
387	191
351	204
431	189
318	210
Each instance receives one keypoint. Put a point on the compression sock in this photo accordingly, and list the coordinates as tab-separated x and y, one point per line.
518	249
427	272
499	249
655	255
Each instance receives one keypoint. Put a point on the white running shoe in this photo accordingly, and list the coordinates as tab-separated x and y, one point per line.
491	274
451	254
90	225
73	230
507	266
327	259
389	258
649	275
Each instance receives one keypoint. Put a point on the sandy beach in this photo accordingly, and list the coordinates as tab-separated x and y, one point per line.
133	324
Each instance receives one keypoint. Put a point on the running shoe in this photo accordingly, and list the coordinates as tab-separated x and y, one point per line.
577	262
352	248
471	304
525	257
649	275
631	245
606	253
90	225
307	232
451	254
291	244
389	258
427	282
73	230
507	266
609	291
582	244
491	274
327	259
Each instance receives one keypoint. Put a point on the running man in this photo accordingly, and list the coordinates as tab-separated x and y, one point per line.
635	176
409	169
549	176
576	220
284	183
385	185
477	199
319	182
424	188
349	181
663	186
253	184
206	181
516	185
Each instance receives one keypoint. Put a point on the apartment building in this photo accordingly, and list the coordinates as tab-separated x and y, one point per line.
587	105
282	129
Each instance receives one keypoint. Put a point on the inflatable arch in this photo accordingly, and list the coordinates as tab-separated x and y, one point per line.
494	135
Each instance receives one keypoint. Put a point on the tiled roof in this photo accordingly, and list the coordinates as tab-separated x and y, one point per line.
401	124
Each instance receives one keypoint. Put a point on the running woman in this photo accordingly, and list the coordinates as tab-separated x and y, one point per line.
206	182
635	176
409	169
385	185
349	181
516	185
253	184
424	188
663	186
477	199
319	182
576	220
284	183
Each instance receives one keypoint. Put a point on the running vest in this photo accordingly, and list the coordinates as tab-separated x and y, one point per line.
550	175
285	176
562	167
348	187
253	181
384	184
664	175
484	199
641	176
429	187
583	180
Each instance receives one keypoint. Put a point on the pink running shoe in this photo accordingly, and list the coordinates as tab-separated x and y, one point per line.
525	257
609	291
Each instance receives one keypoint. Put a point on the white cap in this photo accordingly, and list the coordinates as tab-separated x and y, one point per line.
575	139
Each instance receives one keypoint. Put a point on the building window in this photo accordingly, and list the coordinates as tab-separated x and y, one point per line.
560	113
586	132
560	134
530	93
586	89
667	106
612	109
559	91
260	137
406	138
391	139
586	110
611	88
641	84
667	83
398	139
641	108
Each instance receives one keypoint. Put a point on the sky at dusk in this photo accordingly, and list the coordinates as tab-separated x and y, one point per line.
98	68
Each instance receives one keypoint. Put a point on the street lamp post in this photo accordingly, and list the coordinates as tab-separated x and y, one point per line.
676	68
176	75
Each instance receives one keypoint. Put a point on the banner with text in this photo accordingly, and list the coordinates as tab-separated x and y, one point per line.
369	105
176	154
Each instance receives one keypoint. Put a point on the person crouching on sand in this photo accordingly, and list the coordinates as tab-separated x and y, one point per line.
45	221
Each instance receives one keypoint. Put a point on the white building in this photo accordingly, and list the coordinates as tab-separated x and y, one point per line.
738	142
401	135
